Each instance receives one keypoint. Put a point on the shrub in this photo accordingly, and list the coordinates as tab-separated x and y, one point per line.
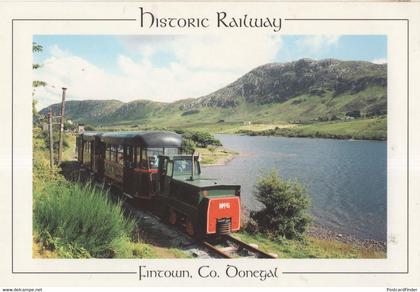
188	146
285	208
81	220
89	128
190	112
204	139
201	139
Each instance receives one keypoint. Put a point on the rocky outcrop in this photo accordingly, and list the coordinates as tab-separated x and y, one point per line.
278	82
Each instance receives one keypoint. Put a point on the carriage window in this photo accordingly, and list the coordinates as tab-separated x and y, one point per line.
107	152
143	160
153	154
113	153
171	151
138	155
120	154
130	153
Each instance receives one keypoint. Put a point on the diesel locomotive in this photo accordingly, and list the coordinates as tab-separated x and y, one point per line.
150	167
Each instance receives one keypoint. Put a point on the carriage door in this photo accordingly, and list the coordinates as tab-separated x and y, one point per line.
100	161
78	147
129	164
164	176
93	155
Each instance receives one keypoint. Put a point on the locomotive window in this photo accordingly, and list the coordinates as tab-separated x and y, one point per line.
183	166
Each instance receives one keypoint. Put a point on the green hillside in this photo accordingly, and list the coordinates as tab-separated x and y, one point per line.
300	92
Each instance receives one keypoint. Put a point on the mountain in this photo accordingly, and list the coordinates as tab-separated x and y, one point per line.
85	110
300	91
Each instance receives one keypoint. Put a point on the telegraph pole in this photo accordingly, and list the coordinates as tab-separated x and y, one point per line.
60	149
50	131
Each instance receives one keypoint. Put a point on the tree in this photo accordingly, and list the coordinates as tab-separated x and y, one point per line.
203	139
285	208
188	146
212	149
35	114
36	48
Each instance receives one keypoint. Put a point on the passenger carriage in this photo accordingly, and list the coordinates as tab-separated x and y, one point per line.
128	160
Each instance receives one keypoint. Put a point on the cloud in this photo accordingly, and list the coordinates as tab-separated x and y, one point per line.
198	66
227	52
379	61
58	52
316	43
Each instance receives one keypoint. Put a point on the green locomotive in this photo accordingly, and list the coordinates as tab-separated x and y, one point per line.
149	166
204	205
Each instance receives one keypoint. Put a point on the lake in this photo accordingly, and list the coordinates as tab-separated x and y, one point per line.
346	180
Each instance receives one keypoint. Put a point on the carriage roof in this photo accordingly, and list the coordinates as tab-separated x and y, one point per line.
147	139
91	135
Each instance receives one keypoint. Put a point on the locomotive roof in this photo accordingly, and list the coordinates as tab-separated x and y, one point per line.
203	182
147	139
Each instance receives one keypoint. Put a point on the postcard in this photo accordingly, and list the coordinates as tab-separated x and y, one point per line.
210	144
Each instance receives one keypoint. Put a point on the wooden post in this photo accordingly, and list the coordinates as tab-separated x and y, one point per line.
192	166
60	149
50	131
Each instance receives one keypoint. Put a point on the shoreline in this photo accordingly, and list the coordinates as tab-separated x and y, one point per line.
369	129
221	160
319	232
257	134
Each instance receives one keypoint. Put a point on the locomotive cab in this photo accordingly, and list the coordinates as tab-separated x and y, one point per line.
203	205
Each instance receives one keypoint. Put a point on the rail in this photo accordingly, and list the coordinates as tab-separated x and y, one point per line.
235	248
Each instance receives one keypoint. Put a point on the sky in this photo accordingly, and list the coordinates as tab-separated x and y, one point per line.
172	67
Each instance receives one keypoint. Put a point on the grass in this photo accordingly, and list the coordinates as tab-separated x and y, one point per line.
71	220
362	129
372	129
214	155
310	247
69	151
82	219
303	108
254	127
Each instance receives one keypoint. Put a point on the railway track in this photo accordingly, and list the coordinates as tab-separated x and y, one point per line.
232	247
